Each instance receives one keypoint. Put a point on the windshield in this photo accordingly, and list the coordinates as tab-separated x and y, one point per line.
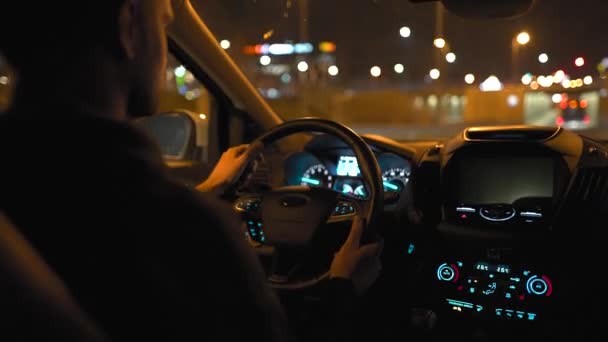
416	71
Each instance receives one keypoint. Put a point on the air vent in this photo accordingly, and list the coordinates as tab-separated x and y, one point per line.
511	133
589	191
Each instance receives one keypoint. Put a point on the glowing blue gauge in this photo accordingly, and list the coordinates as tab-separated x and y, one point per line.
395	179
316	176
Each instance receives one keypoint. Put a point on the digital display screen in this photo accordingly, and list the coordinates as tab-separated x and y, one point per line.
504	180
484	266
348	166
351	186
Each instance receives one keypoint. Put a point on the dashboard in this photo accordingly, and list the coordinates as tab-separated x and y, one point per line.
507	228
327	163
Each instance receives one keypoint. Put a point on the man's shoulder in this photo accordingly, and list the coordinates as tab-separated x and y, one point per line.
189	207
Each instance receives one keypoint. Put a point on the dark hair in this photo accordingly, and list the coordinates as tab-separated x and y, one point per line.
34	31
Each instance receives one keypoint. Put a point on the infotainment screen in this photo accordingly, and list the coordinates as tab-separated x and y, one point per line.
504	180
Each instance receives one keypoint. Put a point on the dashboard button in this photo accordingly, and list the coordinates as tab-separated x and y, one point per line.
497	213
447	272
490	289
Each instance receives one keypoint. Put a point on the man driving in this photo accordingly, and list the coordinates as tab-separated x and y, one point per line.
147	258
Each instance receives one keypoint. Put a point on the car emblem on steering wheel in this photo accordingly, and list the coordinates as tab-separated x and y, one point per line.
293	201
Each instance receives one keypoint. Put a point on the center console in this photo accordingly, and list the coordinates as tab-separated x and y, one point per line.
494	290
499	200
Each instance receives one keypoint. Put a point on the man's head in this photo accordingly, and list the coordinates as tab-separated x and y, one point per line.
126	39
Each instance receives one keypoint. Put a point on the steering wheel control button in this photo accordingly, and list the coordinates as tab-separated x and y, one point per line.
255	231
293	201
539	286
497	213
247	205
448	273
343	209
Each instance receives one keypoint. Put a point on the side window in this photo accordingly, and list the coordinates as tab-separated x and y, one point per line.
184	91
182	127
6	82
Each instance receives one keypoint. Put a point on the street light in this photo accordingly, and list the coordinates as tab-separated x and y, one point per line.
405	32
375	71
523	38
265	60
333	70
434	73
303	66
559	76
225	44
450	57
579	62
469	78
439	43
526	79
543	58
399	68
588	80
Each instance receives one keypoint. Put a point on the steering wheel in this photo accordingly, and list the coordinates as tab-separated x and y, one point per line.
300	223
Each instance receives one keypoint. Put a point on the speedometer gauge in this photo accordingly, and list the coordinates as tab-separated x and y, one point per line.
318	176
395	179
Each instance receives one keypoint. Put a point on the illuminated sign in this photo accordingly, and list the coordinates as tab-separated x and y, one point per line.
303	48
283	49
327	47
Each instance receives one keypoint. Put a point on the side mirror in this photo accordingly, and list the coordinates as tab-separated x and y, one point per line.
180	134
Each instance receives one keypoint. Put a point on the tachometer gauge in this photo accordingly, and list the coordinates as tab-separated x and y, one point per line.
318	176
395	179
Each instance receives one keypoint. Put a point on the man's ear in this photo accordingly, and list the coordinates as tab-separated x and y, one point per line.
127	28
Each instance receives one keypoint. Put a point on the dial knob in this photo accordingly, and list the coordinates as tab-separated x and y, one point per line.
447	272
539	286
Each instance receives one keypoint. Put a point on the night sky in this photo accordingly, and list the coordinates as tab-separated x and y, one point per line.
367	33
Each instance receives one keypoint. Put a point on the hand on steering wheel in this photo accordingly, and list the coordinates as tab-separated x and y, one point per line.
360	264
230	167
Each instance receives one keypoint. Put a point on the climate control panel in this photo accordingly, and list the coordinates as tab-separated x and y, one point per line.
497	290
